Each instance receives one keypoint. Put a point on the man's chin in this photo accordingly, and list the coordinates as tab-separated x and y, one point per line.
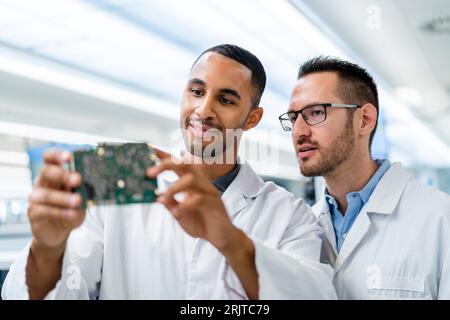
307	173
309	170
205	150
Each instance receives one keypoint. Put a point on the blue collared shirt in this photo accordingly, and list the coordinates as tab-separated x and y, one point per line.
356	200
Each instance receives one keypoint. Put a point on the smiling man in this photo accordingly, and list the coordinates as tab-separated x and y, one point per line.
217	232
386	234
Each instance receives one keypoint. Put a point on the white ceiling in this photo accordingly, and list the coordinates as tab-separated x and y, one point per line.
116	68
413	61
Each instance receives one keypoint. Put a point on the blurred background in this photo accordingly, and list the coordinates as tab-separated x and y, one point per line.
84	71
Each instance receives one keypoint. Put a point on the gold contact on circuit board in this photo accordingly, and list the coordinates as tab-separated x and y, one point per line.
121	184
100	152
154	157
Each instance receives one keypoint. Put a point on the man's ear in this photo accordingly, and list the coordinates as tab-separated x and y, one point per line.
254	118
368	118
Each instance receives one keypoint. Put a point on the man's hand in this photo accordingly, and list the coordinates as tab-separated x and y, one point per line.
54	211
202	214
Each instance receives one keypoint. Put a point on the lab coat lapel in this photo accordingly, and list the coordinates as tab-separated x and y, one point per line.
389	190
354	237
245	186
322	212
383	200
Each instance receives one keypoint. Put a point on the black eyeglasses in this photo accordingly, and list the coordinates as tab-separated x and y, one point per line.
312	115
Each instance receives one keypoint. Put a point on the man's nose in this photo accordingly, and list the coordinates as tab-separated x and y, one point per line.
301	128
205	108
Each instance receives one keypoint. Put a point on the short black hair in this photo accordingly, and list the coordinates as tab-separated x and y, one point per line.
247	59
356	84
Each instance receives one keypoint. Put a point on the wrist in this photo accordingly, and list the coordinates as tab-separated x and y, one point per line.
43	269
45	256
238	246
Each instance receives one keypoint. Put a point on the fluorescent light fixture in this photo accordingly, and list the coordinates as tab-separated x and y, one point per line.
52	135
80	34
73	81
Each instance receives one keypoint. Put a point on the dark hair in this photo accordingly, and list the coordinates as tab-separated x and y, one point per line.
356	84
247	59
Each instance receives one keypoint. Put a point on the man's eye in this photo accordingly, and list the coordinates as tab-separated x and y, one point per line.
225	100
315	113
197	93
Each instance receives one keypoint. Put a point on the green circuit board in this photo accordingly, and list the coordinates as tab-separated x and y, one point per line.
116	174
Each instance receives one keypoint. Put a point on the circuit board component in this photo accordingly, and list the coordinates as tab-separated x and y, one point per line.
116	174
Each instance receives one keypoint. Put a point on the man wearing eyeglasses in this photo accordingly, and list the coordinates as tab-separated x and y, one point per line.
386	234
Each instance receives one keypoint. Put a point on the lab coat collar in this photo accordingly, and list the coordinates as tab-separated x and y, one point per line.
246	185
385	196
389	190
247	182
383	200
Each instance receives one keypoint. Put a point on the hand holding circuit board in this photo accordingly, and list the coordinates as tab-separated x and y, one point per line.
107	174
55	210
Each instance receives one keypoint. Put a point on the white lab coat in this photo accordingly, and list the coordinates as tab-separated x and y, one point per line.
398	246
141	252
